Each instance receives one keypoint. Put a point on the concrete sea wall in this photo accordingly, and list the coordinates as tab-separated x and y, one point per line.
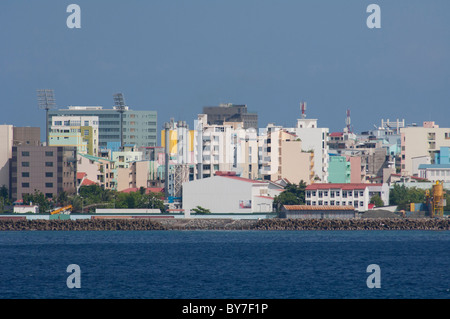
229	224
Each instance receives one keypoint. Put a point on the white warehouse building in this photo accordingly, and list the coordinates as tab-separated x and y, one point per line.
228	194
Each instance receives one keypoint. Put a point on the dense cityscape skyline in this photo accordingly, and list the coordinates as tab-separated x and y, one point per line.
176	57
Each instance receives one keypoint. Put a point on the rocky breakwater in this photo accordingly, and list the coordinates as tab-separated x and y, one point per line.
354	224
230	224
81	224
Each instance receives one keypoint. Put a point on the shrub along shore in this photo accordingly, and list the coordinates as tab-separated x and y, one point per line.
229	224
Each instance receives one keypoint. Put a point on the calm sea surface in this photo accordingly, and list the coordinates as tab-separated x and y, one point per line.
225	264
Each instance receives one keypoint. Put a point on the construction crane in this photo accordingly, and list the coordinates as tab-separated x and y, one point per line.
436	199
62	210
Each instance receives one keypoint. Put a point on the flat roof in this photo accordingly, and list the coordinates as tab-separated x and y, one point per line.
344	186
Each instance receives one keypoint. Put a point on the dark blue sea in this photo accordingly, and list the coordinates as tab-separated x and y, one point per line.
225	264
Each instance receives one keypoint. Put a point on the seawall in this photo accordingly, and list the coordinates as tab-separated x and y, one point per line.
229	224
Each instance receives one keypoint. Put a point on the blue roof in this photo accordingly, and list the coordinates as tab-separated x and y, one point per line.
425	166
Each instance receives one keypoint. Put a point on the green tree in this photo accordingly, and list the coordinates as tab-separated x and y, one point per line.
403	196
4	198
293	194
38	198
200	210
63	199
376	199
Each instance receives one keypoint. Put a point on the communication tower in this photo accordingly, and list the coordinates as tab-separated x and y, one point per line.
303	109
348	122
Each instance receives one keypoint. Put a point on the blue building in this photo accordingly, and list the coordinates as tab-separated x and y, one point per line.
440	170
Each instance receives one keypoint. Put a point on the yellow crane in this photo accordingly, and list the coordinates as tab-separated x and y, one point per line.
62	210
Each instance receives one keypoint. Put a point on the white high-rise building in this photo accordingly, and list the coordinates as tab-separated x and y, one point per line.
6	143
227	147
314	139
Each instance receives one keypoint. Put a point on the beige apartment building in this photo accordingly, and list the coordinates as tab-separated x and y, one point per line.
420	144
136	175
282	157
99	170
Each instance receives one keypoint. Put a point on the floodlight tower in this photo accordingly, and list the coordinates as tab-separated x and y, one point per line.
120	107
46	101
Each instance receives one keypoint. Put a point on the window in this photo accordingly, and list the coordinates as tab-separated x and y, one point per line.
338	193
49	185
332	194
344	194
25	153
325	193
308	194
48	153
86	132
313	203
356	194
25	174
332	202
361	193
344	203
48	164
337	203
355	203
314	193
48	174
320	194
25	164
25	185
361	204
320	202
350	193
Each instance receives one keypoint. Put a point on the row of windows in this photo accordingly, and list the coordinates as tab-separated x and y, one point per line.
74	123
332	194
117	137
47	153
27	164
439	173
27	174
27	185
335	203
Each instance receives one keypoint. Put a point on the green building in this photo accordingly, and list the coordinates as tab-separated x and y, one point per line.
338	169
139	127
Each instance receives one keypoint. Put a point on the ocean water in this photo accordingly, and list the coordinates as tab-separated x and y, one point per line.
225	264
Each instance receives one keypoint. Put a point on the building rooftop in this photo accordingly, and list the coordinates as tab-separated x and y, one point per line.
343	186
424	166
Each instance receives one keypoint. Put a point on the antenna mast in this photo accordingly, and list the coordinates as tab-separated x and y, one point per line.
46	101
303	108
348	122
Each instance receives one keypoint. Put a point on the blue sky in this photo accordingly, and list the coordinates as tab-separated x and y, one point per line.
177	56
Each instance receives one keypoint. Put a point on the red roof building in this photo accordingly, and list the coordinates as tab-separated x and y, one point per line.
357	195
